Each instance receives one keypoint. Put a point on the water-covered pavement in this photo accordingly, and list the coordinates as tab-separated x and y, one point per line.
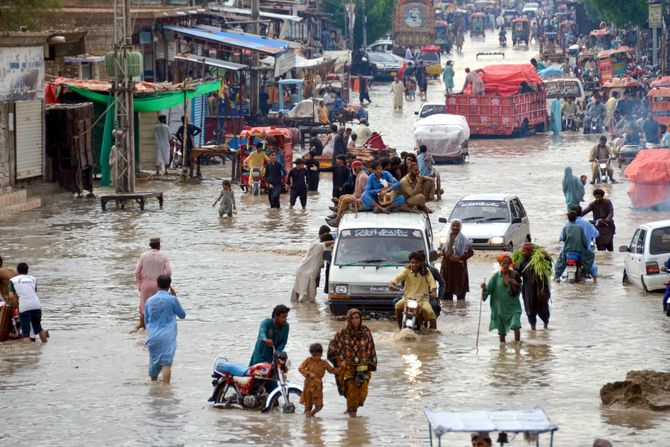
89	384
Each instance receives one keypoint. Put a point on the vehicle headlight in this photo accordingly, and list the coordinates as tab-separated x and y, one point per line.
444	239
497	240
341	289
380	66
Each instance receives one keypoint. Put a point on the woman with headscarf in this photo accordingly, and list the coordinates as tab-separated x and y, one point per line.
454	269
535	288
352	350
573	189
448	76
503	288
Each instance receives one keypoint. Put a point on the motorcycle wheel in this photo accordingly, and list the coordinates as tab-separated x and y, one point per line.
225	395
286	406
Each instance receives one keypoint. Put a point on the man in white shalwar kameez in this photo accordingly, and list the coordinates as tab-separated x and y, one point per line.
304	287
398	90
162	135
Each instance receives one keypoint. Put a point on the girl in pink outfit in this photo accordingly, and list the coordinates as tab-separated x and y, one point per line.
150	266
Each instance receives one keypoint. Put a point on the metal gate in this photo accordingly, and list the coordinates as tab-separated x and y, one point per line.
28	128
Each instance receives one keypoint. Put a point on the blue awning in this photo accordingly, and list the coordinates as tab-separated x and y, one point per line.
238	40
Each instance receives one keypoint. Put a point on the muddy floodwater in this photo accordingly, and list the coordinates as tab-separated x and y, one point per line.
89	383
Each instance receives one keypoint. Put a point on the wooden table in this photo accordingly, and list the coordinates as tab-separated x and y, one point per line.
221	150
139	197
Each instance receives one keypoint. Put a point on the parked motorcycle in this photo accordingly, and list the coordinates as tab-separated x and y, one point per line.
260	387
602	172
502	41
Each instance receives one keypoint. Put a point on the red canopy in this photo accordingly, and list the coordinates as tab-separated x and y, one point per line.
504	79
663	81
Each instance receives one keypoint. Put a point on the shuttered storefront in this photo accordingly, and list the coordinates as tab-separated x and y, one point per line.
28	131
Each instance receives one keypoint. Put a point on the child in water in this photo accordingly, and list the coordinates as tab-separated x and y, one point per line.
227	198
314	368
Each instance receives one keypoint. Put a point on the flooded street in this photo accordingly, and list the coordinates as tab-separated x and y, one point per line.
89	383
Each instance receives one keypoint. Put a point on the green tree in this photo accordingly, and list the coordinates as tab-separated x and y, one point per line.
623	13
379	14
17	13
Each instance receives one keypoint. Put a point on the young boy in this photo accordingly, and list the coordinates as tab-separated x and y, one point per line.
227	198
297	180
340	175
314	368
24	287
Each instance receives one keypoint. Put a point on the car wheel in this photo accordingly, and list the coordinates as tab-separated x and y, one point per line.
625	279
528	238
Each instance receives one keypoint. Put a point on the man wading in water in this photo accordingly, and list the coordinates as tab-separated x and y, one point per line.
150	266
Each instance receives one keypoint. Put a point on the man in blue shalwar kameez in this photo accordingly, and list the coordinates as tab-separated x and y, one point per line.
273	333
160	312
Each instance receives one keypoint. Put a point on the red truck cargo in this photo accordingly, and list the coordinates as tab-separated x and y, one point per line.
501	110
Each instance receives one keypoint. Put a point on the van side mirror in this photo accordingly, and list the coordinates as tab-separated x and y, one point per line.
416	112
442	220
433	255
327	255
516	220
623	249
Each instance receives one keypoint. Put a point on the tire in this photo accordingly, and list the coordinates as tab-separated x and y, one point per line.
625	279
510	247
528	238
278	400
224	393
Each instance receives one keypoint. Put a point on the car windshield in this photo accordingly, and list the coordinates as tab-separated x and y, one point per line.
381	58
377	246
432	58
480	211
431	109
660	241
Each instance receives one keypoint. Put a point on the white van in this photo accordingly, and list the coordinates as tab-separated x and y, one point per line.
369	251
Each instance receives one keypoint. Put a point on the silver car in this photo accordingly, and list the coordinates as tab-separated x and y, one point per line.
490	221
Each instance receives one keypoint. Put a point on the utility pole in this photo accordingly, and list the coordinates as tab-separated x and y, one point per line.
365	25
254	90
123	87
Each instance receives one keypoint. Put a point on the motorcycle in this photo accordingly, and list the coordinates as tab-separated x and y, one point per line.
411	313
503	41
569	123
602	173
248	387
256	181
574	270
593	125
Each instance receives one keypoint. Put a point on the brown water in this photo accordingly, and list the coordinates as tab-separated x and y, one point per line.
89	383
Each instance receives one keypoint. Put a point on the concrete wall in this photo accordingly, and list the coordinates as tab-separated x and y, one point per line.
4	149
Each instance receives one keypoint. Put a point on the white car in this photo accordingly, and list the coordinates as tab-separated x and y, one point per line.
647	255
430	108
490	221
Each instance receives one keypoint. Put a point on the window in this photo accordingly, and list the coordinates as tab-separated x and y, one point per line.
377	246
633	242
481	211
514	207
660	241
639	246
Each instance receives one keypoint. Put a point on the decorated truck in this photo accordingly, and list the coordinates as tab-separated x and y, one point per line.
414	25
514	102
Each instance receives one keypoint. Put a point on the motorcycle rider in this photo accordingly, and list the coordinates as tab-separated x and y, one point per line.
601	151
255	160
502	36
417	280
570	110
603	214
574	241
594	111
272	334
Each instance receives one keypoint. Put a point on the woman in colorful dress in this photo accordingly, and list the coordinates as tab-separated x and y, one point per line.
503	288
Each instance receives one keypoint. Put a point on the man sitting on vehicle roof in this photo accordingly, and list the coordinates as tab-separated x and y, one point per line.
417	281
348	199
380	183
411	187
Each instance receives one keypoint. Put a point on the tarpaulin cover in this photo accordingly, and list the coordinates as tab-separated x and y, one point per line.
443	134
142	102
650	174
505	79
532	421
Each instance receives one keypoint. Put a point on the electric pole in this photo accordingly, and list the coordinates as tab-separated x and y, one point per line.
255	29
123	87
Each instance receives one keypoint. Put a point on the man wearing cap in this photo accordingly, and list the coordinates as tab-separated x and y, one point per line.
297	181
150	266
347	199
255	160
272	334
